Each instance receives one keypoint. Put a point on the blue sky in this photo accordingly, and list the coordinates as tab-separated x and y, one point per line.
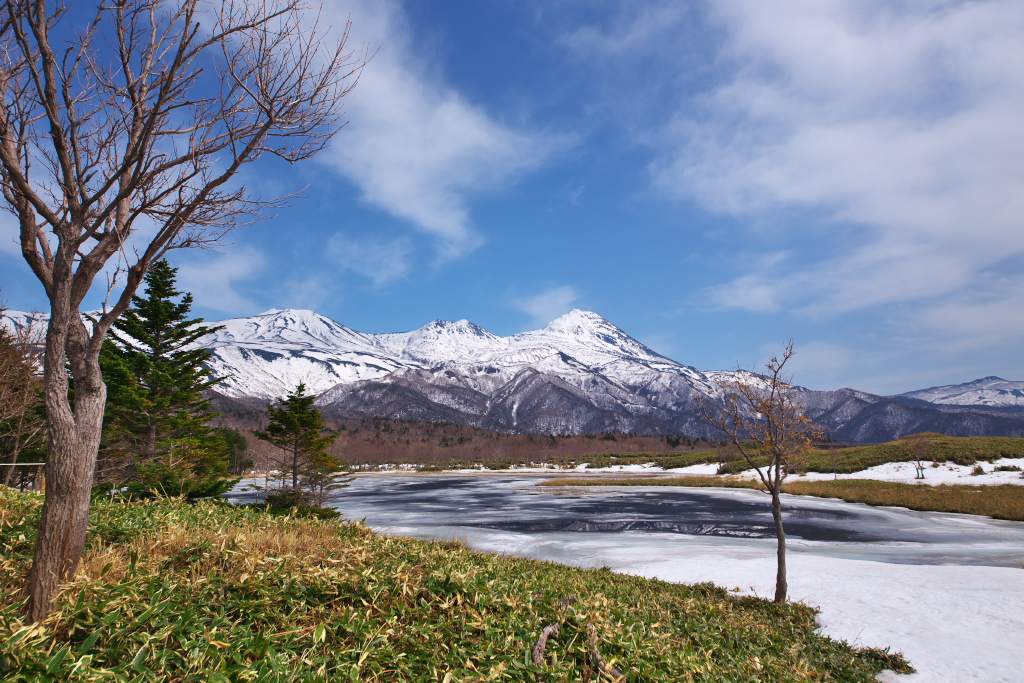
712	177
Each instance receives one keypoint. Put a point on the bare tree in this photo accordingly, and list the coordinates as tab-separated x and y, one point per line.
919	447
139	118
764	421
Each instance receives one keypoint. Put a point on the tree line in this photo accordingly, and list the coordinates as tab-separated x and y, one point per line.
158	434
124	126
121	137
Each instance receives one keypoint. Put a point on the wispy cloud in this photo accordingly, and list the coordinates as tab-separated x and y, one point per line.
214	280
10	239
547	305
311	291
418	148
877	142
986	315
377	260
574	196
897	121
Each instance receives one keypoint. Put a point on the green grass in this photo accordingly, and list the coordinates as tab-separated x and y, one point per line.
1002	502
206	592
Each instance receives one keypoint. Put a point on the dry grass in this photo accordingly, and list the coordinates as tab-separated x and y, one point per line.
1002	502
206	593
692	481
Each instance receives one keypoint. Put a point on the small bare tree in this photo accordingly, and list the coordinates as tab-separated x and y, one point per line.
764	421
919	447
139	119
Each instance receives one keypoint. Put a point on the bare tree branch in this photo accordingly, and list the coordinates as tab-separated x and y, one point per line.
762	419
142	116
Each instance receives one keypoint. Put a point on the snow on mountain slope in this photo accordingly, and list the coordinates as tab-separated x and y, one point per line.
267	355
579	374
442	341
21	320
587	337
271	352
987	391
292	329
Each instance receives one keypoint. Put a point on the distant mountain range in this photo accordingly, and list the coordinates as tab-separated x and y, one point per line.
987	391
580	374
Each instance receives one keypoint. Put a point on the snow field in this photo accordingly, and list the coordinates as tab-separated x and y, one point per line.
953	623
944	473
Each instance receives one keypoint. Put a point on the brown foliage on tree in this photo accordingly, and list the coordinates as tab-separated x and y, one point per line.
919	446
139	118
763	420
21	417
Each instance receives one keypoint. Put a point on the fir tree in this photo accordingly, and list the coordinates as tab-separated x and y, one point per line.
236	450
156	426
296	427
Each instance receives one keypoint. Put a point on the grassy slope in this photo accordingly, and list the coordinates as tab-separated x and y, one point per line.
177	592
940	448
1002	502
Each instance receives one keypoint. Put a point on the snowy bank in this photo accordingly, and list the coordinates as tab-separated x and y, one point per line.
934	474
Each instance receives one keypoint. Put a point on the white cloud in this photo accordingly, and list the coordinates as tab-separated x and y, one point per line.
900	121
818	364
975	319
415	146
661	342
633	29
547	305
312	292
213	280
10	237
574	196
377	260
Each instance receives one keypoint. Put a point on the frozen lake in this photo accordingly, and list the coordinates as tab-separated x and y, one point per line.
946	589
491	508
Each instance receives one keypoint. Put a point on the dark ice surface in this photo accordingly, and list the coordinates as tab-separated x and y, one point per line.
484	509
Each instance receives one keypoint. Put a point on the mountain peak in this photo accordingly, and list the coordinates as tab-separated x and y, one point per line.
291	312
991	390
451	324
576	320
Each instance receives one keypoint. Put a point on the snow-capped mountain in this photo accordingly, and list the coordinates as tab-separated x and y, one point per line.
578	374
267	355
458	367
23	321
987	391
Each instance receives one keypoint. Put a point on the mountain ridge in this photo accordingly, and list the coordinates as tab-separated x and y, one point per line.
580	373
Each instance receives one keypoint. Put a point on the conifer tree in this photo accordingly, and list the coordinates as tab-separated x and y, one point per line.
236	449
296	428
156	426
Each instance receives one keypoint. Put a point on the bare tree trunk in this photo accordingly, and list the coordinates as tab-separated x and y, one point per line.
106	129
73	441
781	586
